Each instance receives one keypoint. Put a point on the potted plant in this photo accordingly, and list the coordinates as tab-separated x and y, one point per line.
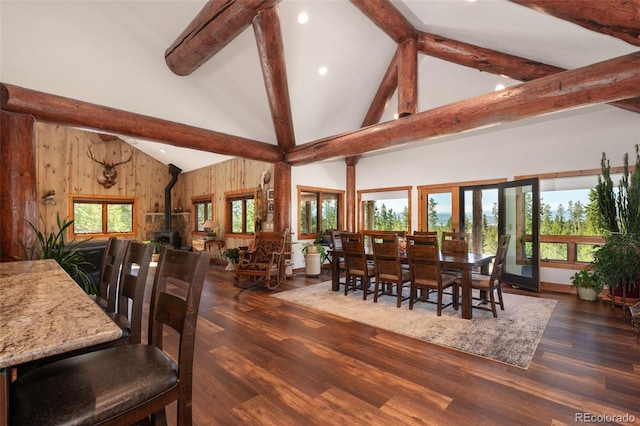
587	284
617	262
52	245
314	256
232	255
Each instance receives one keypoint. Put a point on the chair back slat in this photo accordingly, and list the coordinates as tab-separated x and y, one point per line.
171	311
133	280
110	272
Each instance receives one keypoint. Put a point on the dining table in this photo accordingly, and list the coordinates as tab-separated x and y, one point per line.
44	312
466	263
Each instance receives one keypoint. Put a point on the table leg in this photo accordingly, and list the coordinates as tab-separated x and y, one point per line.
335	275
466	294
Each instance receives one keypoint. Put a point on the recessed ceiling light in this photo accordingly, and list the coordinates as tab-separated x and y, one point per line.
396	115
303	18
499	87
323	70
163	151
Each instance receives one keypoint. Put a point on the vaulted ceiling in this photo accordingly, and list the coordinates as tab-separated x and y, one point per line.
113	54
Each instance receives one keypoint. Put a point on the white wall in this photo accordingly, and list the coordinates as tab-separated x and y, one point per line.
563	142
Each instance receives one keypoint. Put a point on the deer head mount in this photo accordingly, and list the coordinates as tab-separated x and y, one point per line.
109	175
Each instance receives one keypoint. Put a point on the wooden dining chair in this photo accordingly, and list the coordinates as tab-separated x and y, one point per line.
489	285
357	268
455	242
131	289
110	273
426	275
125	384
388	267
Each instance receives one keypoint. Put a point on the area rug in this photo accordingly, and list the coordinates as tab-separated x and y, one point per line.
512	338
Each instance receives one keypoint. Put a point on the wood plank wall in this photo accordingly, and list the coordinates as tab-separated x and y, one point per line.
232	175
62	165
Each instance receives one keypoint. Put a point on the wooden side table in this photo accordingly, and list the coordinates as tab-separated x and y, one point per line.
212	245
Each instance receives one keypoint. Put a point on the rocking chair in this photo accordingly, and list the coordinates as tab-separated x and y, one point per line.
262	261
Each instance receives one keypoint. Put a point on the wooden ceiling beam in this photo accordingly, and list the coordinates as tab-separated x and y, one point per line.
483	59
607	81
384	93
219	22
268	35
407	78
617	18
67	111
387	18
495	62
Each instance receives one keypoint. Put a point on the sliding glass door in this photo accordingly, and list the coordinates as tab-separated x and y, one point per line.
519	216
487	211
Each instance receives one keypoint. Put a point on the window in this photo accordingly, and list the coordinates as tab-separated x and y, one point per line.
202	211
320	210
240	218
440	205
569	226
385	209
103	216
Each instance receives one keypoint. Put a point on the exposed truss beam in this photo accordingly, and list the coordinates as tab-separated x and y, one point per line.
387	18
57	109
494	62
617	18
603	82
271	50
219	22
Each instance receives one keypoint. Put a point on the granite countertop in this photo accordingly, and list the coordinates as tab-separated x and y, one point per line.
44	312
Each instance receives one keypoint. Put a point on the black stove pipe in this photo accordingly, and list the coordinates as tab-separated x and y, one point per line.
175	171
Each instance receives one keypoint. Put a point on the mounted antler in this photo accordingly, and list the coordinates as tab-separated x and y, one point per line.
109	173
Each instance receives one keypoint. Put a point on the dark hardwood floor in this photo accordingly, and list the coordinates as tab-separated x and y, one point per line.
263	361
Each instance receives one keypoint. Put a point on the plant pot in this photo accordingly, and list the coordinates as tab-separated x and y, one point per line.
312	264
632	296
230	267
587	293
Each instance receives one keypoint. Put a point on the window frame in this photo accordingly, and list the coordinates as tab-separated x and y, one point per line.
388	189
571	241
201	199
320	191
454	189
104	200
229	197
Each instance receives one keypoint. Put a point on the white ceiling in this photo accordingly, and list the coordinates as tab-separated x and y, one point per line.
112	53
